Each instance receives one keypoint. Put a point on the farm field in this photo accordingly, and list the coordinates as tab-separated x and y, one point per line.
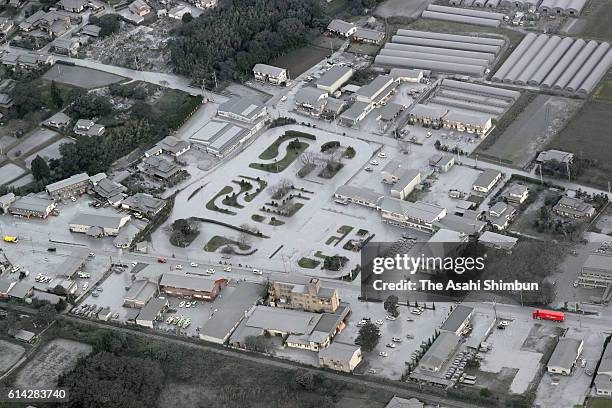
300	60
587	136
9	354
596	21
80	76
55	358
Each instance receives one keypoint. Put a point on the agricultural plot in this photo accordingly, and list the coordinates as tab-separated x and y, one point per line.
54	359
9	354
302	59
81	77
10	172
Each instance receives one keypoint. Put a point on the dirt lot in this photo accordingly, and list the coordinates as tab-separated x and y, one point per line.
46	366
541	337
532	129
595	22
80	76
587	135
401	8
9	354
301	59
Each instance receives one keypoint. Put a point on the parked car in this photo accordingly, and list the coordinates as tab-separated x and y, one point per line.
383	354
179	267
227	269
194	265
396	339
161	260
257	272
391	318
379	322
382	155
374	162
390	345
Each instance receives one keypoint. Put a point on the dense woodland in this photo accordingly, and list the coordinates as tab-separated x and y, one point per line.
229	41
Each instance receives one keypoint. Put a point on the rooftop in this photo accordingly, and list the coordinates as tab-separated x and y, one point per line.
96	220
186	281
333	75
70	181
245	106
339	351
565	353
457	317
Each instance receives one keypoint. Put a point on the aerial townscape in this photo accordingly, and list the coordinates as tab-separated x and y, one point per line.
207	203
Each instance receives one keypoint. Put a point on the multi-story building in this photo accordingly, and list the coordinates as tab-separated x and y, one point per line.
486	180
596	271
32	206
418	215
70	187
310	297
270	74
574	208
191	286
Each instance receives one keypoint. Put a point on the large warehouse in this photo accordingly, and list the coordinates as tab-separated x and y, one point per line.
440	52
571	65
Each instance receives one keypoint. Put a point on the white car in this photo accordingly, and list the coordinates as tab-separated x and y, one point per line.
134	263
73	199
396	339
382	155
504	323
179	267
371	371
227	269
210	270
85	286
374	162
379	322
182	303
257	272
383	354
284	98
391	318
91	254
391	345
187	304
194	265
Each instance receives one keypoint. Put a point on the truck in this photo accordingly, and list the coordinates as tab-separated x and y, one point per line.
548	315
9	238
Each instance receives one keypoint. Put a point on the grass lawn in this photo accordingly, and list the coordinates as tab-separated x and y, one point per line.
345	229
331	240
218	241
308	263
262	185
272	151
213	207
320	255
258	217
276	222
282	164
598	403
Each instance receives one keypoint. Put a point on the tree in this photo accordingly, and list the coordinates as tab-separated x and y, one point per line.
305	379
46	315
109	23
258	343
187	18
369	335
390	305
88	106
335	262
40	169
55	95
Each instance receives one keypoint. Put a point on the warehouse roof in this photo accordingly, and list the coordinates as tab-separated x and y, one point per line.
441	349
565	353
356	110
245	106
451	37
152	309
437	66
359	193
268	70
141	291
339	351
496	240
375	87
418	210
96	220
185	281
284	320
598	263
372	35
466	12
309	96
32	203
457	318
334	75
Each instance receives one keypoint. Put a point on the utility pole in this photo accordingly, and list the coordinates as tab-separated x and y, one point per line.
541	178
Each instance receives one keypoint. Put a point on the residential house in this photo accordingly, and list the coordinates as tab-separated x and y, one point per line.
270	74
341	28
139	8
573	208
6	201
366	35
58	121
500	215
144	204
442	162
159	167
6	24
557	155
486	180
73	6
87	127
516	193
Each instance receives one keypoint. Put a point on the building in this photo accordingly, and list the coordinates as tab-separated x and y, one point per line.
128	234
139	8
220	138
500	215
397	402
159	167
407	74
6	201
596	271
465	225
97	226
58	121
270	74
427	115
26	61
178	12
86	127
516	193
405	184
356	113
573	208
565	355
389	113
334	78
378	91
144	204
311	100
5	287
244	108
603	377
486	180
440	352
6	24
172	146
25	336
151	312
391	173
91	30
557	155
333	108
442	162
341	28
191	286
465	122
497	241
310	297
365	35
357	195
73	6
340	357
21	290
70	187
418	215
109	189
299	329
32	206
458	320
141	291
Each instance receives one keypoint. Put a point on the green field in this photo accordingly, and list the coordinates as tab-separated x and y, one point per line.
282	164
218	241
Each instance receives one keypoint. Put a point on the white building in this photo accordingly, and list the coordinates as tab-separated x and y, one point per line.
270	74
565	355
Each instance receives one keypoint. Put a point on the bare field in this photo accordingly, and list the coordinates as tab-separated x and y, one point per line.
9	354
81	77
596	19
587	135
300	60
401	8
46	366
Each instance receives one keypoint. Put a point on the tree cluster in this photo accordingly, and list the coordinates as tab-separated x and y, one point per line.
368	337
231	39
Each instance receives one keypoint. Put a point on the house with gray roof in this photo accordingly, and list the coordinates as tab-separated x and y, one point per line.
311	100
573	208
6	201
486	180
86	127
367	35
72	186
144	204
159	167
565	355
334	78
151	312
96	225
341	27
270	74
58	121
340	357
33	206
107	188
173	146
